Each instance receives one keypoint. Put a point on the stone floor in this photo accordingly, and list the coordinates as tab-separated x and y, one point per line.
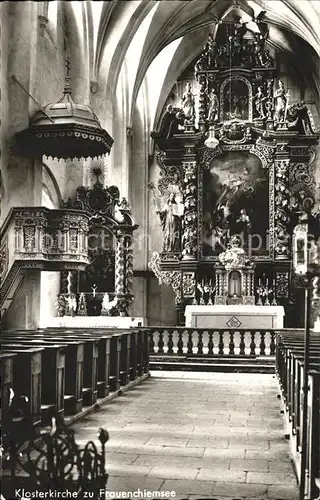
200	435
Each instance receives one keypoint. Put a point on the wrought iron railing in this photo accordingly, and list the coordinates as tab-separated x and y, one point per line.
210	342
51	462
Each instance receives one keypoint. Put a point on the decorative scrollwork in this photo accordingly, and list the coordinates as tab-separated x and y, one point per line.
235	132
169	174
302	174
207	155
169	278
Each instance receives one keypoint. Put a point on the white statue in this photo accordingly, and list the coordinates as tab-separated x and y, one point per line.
234	256
108	304
188	105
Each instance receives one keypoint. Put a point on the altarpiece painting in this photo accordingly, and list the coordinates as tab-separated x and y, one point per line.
235	201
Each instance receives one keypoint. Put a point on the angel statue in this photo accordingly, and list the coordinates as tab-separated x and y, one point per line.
108	304
188	105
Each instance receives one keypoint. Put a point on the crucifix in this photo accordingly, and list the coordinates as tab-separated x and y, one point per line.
94	289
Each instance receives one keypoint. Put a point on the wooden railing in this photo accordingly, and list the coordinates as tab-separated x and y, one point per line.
180	341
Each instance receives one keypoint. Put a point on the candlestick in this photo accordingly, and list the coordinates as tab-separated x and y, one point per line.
69	282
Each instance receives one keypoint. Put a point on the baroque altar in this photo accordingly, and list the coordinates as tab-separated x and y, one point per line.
236	157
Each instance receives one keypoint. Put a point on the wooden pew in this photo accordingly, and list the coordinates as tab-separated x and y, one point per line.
290	372
6	373
120	354
115	362
313	449
26	378
96	360
53	376
87	369
125	358
74	353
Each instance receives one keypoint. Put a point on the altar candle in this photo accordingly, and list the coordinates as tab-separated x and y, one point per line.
267	282
69	283
259	282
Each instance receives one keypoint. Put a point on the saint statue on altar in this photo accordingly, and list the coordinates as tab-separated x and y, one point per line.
171	224
259	101
213	112
170	213
188	105
281	97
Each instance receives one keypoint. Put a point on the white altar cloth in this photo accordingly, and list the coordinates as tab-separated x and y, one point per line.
94	322
234	316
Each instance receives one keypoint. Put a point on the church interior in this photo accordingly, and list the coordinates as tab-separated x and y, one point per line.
160	249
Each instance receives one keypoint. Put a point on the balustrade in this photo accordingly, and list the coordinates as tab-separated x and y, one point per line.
182	341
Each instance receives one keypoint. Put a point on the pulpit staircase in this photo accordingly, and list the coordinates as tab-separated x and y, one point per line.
43	239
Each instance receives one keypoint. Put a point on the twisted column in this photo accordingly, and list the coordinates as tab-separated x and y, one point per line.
129	269
190	219
281	212
119	266
120	275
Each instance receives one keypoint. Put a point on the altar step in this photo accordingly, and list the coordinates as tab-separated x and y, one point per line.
228	364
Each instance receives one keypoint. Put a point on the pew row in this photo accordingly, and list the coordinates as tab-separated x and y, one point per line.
290	374
65	373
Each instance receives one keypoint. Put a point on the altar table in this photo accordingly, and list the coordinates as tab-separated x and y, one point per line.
234	316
